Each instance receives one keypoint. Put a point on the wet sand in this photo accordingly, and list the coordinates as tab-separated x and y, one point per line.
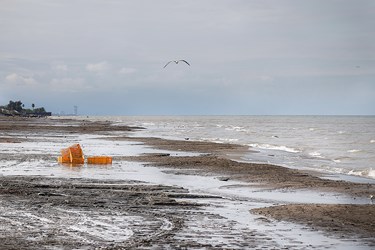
41	212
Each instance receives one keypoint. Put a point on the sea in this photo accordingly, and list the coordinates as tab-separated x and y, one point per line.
339	146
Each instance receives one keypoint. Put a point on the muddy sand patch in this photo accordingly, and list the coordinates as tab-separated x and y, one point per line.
39	213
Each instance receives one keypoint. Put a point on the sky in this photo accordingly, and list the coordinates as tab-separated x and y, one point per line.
247	57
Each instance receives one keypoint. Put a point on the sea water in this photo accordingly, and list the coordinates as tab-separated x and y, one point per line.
342	145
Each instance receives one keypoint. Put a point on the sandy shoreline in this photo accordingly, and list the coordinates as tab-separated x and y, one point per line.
155	203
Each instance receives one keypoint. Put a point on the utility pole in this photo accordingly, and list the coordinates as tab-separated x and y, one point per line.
75	110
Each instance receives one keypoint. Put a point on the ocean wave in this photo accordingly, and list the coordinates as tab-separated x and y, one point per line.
354	151
372	141
274	147
369	173
236	128
146	124
219	140
365	173
316	154
341	159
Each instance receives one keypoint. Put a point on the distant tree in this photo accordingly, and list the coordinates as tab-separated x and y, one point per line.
15	106
33	105
11	105
39	110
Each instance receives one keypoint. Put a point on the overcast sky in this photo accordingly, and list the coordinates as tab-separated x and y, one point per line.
248	57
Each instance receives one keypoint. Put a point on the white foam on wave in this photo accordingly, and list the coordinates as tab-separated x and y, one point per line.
372	141
220	140
363	173
369	173
274	147
316	154
147	124
236	128
354	150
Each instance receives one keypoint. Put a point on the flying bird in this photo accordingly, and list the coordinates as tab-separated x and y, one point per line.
176	62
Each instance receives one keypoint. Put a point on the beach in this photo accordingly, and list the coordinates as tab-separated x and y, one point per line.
205	198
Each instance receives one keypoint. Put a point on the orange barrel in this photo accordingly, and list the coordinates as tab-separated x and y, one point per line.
78	160
72	154
76	151
60	159
99	160
76	154
65	156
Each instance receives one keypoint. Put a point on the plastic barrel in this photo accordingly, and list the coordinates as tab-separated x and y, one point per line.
76	151
99	160
72	154
65	156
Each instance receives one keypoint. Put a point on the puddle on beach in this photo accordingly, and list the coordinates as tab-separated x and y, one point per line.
237	197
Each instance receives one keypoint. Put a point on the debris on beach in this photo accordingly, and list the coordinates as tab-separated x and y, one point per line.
74	155
99	160
223	178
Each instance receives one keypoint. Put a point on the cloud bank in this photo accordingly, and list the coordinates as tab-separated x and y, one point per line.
247	57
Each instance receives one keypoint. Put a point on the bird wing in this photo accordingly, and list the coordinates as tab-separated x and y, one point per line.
185	62
167	63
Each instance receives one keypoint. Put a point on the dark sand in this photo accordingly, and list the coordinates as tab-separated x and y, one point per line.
64	201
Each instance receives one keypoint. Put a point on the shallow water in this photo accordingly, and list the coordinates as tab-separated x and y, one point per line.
332	144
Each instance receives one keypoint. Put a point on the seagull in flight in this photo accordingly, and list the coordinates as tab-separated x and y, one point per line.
176	62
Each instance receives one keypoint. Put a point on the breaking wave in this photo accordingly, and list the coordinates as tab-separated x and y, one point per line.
354	150
369	173
274	147
316	154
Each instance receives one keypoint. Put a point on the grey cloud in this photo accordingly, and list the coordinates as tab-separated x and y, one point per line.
248	57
